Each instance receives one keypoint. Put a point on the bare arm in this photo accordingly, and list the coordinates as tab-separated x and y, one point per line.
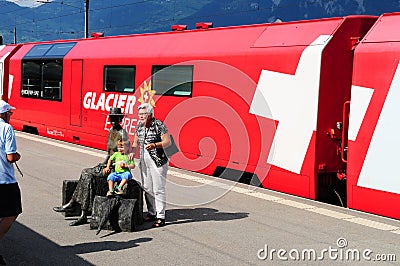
135	145
131	166
164	143
107	169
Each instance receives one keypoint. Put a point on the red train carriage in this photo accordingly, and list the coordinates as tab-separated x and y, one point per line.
373	179
262	104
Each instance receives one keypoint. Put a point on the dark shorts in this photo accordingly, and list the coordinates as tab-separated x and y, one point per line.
10	200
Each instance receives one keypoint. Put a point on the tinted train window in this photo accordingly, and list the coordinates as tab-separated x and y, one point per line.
42	79
58	50
42	71
172	80
119	78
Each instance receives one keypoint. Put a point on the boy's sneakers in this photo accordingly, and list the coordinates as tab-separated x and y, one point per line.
110	193
119	191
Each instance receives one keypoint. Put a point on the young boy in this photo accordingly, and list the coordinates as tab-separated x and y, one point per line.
122	169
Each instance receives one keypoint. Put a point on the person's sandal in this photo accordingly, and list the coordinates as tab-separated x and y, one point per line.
159	223
149	218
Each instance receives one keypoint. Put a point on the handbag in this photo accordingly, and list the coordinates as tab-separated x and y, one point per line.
171	149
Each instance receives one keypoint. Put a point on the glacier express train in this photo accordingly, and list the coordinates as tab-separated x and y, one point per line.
308	108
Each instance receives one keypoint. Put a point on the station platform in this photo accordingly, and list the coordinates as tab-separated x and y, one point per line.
210	221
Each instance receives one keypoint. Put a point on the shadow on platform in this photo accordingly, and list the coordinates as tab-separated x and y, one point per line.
22	246
181	216
189	215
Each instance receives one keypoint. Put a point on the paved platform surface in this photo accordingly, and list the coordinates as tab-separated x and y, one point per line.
210	221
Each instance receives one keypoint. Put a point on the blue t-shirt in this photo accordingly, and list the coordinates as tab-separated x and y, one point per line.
8	145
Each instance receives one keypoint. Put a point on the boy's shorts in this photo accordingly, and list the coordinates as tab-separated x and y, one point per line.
117	177
10	200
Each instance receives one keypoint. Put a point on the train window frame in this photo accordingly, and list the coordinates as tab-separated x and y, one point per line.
174	77
120	78
45	83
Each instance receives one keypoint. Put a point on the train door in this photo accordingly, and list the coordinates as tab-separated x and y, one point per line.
76	93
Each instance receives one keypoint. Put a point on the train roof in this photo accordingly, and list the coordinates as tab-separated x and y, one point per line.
206	42
386	30
5	49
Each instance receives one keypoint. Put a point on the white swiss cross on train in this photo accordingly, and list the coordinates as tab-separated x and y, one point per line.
300	92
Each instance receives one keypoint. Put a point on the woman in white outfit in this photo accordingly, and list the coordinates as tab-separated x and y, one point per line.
152	136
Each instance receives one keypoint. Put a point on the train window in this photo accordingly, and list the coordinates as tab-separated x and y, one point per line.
119	78
58	50
42	71
52	76
31	79
172	80
42	79
38	50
